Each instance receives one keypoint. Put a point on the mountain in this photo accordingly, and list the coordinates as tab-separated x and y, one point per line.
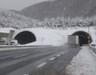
13	19
66	8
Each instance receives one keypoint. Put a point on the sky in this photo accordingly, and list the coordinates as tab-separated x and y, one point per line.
17	4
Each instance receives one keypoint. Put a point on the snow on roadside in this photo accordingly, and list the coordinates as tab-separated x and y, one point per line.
84	63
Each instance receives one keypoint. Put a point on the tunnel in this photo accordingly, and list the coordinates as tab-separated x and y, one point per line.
84	37
25	37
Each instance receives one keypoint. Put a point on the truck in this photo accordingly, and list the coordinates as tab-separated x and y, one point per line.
73	40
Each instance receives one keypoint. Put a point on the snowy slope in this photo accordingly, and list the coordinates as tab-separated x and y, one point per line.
12	19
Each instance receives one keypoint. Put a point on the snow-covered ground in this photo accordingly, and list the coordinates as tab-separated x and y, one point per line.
82	64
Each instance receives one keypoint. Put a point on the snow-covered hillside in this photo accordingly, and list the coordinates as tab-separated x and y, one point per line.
12	19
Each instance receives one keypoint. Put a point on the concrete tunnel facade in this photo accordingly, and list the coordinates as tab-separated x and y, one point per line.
38	36
55	37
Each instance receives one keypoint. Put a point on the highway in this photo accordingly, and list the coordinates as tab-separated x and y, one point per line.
42	60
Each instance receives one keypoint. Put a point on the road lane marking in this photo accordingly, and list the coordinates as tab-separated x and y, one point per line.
25	74
52	58
62	53
41	65
58	55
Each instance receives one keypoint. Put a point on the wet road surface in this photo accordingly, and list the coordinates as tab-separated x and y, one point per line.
36	61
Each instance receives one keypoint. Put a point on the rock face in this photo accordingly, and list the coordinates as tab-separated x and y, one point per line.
67	8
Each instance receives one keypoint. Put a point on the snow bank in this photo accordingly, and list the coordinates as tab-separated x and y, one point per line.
82	64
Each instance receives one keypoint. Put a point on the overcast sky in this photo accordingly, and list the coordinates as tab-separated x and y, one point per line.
17	4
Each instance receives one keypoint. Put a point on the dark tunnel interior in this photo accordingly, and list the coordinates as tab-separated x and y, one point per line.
25	37
84	37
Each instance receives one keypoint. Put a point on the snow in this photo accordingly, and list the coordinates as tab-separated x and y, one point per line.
55	37
84	63
6	30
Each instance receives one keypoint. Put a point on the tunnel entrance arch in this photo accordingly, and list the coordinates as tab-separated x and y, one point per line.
25	37
84	37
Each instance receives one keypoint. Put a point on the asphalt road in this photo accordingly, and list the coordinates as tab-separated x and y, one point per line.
44	60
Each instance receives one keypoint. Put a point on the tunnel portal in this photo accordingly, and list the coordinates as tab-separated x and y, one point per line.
25	37
84	37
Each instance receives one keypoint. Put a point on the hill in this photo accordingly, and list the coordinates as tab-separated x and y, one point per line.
66	8
11	19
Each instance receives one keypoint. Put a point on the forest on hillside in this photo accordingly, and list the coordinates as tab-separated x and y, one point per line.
63	22
14	20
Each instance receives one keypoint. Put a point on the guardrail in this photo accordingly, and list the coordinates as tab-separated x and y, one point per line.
93	49
10	47
13	46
